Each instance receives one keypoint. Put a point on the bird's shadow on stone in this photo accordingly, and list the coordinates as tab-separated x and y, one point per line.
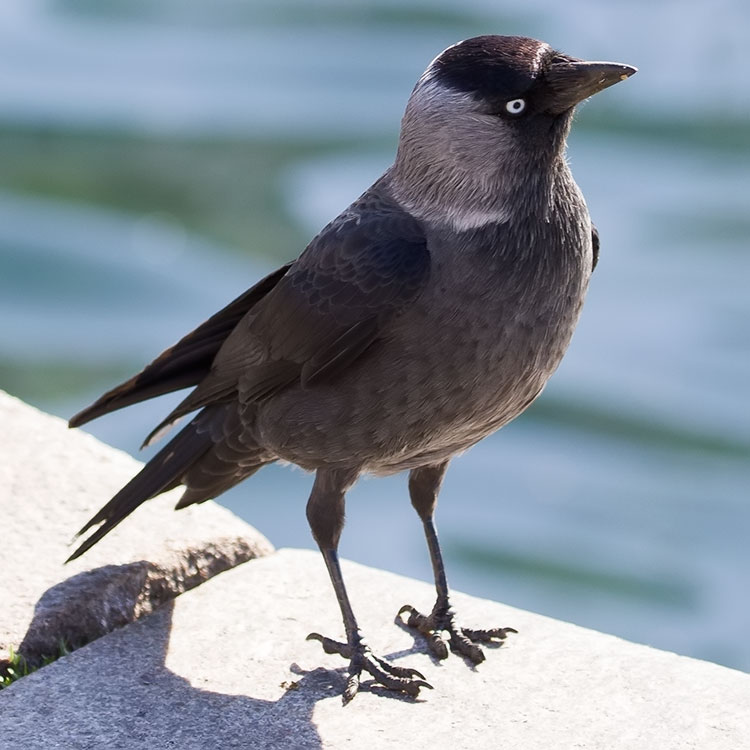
194	717
119	688
118	691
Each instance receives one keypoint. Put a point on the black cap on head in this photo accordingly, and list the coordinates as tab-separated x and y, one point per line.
491	66
498	68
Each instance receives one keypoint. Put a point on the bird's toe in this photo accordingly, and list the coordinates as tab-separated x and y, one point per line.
462	641
361	659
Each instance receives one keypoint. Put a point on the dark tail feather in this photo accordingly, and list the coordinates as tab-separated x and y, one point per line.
163	472
187	362
234	456
267	378
219	485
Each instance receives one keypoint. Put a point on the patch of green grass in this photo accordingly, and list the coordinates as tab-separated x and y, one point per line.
17	666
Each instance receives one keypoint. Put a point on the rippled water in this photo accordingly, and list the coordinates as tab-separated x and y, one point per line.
138	146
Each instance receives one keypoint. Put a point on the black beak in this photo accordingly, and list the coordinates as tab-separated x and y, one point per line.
572	81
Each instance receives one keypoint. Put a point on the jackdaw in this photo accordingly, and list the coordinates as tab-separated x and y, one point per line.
423	318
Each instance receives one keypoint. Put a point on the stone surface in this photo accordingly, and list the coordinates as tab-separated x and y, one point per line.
52	480
93	603
226	665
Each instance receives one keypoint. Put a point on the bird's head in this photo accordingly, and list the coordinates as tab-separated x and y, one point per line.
490	111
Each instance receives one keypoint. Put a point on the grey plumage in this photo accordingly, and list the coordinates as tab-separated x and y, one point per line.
426	316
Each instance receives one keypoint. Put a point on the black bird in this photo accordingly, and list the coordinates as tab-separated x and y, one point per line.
426	316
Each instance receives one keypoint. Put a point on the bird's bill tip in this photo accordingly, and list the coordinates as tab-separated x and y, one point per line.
612	70
572	81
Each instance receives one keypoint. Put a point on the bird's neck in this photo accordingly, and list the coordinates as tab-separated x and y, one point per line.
465	195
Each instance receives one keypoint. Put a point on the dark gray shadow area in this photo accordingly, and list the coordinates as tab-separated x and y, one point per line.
90	604
117	693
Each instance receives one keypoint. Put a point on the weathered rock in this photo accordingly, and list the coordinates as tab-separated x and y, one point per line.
95	602
226	665
51	481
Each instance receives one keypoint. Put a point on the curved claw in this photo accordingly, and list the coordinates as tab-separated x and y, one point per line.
487	636
330	646
386	676
397	671
361	658
352	687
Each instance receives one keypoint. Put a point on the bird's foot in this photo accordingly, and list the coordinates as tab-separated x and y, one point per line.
461	640
361	659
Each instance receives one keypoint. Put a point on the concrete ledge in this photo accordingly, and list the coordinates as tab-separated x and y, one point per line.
52	480
226	664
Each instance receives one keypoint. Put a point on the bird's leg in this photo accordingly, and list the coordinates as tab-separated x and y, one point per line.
424	485
325	513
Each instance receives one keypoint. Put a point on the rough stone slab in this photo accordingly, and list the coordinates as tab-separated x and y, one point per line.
226	665
52	480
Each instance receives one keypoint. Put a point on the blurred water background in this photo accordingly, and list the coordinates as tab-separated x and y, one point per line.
158	156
